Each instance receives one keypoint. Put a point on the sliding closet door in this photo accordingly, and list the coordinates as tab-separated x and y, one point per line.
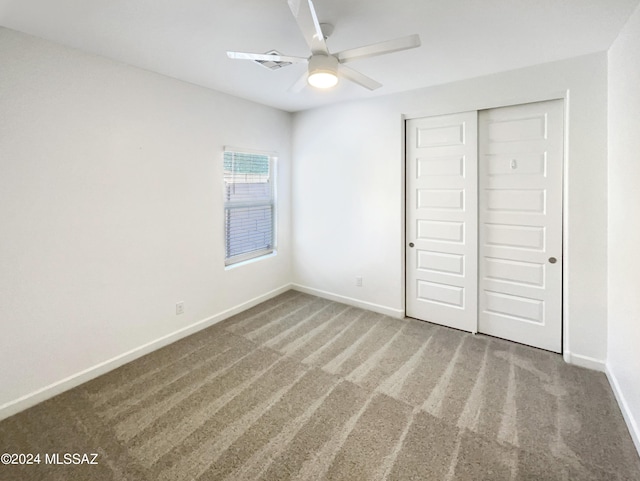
442	216
520	251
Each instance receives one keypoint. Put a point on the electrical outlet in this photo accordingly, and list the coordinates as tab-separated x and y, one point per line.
359	281
179	308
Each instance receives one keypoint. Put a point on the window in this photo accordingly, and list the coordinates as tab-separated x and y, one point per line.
249	207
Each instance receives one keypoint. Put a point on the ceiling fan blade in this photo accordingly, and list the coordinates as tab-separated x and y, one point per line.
307	20
404	43
358	78
300	83
265	57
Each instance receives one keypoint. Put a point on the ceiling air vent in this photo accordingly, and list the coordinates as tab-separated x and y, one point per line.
272	64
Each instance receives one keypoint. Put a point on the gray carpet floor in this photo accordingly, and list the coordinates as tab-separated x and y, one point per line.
304	388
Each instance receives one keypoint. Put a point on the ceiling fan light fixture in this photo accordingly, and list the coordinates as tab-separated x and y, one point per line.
323	71
323	80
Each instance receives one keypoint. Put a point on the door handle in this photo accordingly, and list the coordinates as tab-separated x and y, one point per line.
553	260
411	244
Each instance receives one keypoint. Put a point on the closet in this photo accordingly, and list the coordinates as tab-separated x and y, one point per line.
484	222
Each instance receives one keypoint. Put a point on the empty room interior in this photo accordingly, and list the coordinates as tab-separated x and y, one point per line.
359	240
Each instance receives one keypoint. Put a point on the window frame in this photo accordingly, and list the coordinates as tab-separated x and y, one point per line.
258	254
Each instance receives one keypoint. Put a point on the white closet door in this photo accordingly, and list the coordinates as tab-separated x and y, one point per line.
520	285
442	217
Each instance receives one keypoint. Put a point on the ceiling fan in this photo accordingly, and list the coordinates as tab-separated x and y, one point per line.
324	68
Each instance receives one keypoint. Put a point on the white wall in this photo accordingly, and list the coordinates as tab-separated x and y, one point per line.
623	361
111	211
348	195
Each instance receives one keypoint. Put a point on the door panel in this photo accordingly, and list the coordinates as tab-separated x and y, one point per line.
520	216
442	220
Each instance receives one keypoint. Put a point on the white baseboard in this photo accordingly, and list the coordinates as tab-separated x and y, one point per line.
387	311
584	361
632	425
42	394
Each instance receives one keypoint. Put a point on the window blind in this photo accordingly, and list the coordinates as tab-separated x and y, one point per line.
249	206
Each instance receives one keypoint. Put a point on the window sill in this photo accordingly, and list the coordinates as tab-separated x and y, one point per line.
250	261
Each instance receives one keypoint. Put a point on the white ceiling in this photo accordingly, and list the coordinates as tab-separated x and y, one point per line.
187	39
